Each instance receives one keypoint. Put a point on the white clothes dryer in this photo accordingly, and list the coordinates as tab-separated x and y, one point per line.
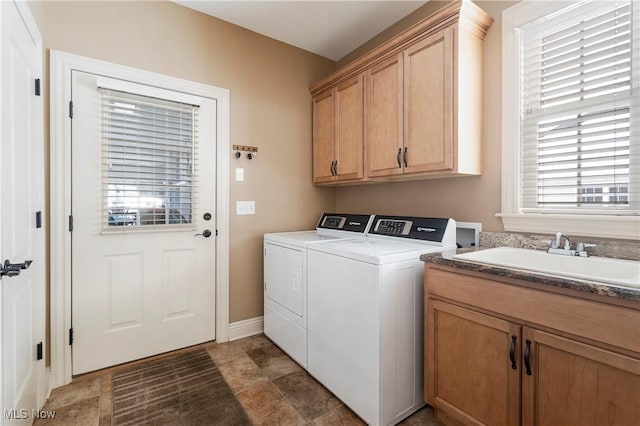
285	278
365	315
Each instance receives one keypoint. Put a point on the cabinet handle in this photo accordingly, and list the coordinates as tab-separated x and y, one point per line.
512	352
527	353
333	173
404	157
398	158
335	168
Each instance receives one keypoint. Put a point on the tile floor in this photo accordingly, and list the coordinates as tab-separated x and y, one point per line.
272	389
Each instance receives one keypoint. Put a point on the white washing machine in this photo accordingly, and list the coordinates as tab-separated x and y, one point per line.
365	315
285	278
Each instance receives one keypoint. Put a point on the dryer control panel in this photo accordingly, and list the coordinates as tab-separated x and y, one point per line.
357	223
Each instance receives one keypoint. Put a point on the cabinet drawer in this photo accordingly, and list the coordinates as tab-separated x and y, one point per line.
613	325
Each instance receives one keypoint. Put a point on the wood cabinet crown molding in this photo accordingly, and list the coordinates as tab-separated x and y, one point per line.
463	12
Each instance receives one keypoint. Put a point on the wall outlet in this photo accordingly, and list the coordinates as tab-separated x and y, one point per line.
245	207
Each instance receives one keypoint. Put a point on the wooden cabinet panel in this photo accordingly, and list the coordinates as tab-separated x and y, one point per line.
471	373
572	383
561	375
384	118
428	97
323	136
603	322
349	113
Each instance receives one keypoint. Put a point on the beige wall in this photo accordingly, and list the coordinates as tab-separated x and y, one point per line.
270	108
475	199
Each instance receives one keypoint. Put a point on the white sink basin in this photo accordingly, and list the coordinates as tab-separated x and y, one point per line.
599	269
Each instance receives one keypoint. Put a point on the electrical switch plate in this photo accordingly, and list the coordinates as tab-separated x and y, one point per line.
239	174
245	207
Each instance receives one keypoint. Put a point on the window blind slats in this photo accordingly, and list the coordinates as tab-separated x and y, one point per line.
587	52
601	28
579	140
582	85
574	22
149	161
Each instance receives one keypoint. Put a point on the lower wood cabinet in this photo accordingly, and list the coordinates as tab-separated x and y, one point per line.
488	368
571	383
472	374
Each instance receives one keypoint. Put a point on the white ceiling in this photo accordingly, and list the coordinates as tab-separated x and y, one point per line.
329	28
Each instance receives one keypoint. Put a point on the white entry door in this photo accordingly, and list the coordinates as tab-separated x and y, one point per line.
21	233
143	221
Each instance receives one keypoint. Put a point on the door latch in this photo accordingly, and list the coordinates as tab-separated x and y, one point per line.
9	269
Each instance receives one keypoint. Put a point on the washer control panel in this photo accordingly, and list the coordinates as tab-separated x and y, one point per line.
333	222
358	223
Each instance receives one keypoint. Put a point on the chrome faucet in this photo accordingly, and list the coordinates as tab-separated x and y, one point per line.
556	248
555	244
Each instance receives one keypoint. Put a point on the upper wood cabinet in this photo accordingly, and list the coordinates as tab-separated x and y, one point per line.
428	105
384	118
338	133
409	110
421	113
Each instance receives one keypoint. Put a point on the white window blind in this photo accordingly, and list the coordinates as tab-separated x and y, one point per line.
580	110
149	162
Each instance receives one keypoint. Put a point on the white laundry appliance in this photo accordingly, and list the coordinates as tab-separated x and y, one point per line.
365	315
285	278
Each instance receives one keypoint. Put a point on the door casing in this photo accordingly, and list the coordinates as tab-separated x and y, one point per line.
43	386
61	65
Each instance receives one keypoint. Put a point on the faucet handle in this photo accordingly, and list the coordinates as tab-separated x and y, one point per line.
584	246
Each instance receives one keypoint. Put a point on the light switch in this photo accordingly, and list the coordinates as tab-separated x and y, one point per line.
239	174
245	207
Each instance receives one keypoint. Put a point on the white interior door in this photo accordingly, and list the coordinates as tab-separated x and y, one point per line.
21	196
143	188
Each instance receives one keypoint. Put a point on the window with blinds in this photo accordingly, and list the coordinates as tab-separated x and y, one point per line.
580	109
148	162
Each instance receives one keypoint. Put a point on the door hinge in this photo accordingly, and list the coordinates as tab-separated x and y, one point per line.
216	232
39	354
37	87
70	223
71	336
38	219
70	109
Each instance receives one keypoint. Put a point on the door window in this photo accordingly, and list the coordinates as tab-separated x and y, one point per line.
148	162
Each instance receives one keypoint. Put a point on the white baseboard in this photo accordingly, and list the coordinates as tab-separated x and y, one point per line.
246	328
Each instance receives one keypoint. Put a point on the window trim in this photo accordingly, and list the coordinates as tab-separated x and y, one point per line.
622	226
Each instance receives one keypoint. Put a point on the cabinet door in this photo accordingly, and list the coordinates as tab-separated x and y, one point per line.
283	277
428	109
349	129
573	383
324	125
383	109
469	377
